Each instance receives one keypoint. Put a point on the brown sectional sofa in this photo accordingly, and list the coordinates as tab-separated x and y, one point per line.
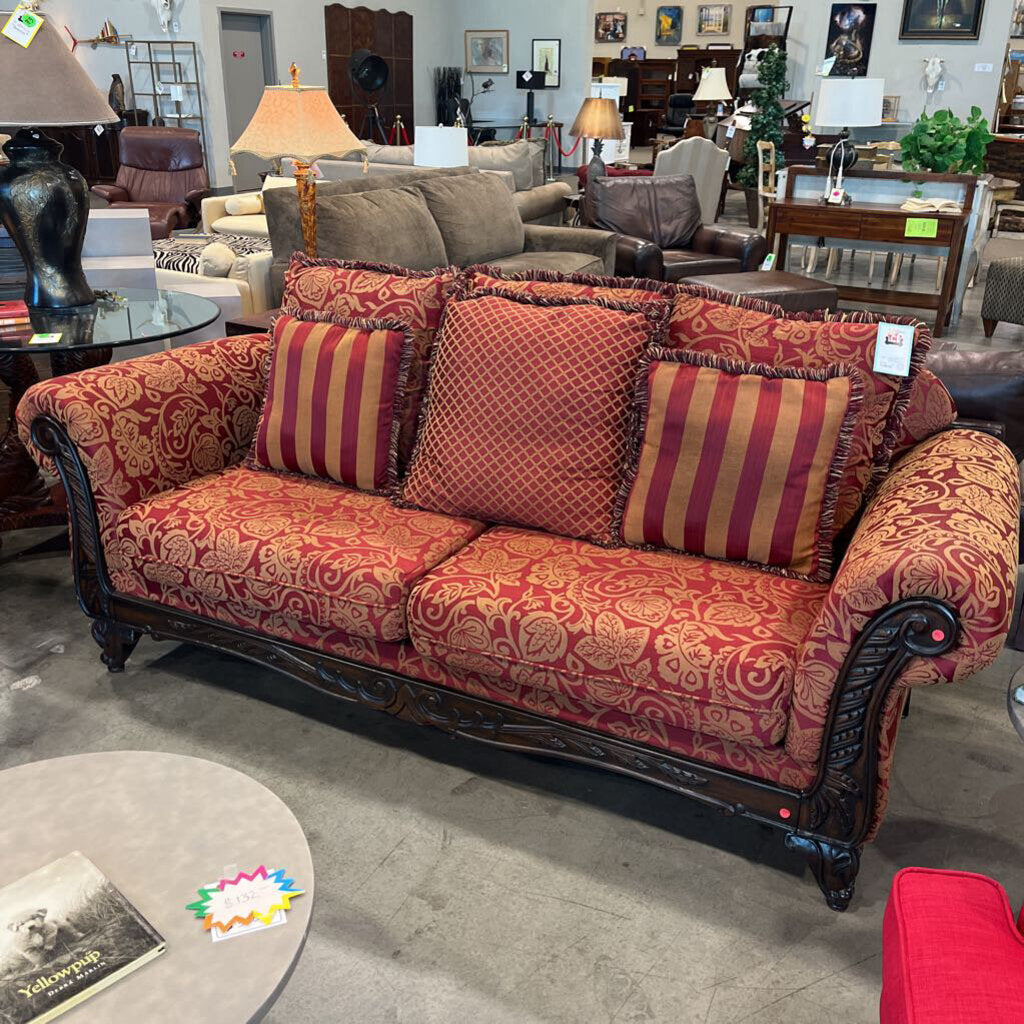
424	218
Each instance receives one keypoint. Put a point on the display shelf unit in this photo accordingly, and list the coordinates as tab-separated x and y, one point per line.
163	77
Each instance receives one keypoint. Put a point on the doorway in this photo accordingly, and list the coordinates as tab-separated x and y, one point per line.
247	57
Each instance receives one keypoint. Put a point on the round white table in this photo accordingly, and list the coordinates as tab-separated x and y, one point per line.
159	826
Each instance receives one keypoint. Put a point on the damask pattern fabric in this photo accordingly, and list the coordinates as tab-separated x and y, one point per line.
699	645
315	551
931	408
944	524
376	291
152	423
739	461
334	396
797	341
527	419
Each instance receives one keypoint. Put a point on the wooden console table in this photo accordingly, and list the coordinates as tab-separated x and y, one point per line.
875	222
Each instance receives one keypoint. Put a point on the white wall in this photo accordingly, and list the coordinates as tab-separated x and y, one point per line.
569	20
901	62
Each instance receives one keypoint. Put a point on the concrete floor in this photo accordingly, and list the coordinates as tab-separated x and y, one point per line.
457	883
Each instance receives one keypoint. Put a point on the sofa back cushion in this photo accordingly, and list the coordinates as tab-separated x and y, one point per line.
377	153
333	400
282	205
664	210
523	158
552	285
805	341
528	409
343	290
740	461
476	215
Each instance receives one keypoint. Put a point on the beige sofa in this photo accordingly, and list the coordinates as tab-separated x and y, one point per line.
429	217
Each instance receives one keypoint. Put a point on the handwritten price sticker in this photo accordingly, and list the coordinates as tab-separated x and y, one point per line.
246	898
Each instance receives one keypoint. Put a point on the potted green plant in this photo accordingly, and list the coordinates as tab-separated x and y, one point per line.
765	123
945	144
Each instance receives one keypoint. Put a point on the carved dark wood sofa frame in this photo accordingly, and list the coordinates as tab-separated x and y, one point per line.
827	823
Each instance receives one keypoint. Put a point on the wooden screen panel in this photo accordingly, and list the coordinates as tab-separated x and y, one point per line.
389	36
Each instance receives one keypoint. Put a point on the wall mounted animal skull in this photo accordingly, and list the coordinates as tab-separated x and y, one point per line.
164	10
934	69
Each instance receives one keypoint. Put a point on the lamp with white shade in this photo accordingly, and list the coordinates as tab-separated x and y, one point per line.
847	103
714	89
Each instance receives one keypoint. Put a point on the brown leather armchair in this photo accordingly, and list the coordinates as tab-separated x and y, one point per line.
661	234
162	171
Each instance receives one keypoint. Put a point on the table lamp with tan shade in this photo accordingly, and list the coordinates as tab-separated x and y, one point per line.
300	122
713	88
598	119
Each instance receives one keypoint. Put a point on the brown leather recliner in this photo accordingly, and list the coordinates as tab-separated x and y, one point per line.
161	170
661	234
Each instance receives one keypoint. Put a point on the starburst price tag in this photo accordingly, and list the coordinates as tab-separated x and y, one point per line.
245	899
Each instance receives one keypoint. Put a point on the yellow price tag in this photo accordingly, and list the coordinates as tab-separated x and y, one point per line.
22	26
921	227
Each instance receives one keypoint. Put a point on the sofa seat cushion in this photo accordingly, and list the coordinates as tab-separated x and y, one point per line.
248	225
561	262
302	549
702	645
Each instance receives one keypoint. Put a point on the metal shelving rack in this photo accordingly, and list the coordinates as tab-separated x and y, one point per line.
159	64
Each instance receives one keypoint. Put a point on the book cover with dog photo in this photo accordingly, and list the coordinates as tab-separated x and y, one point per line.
66	932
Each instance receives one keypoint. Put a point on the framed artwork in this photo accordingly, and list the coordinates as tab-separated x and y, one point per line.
890	108
713	19
849	39
487	51
942	19
610	28
633	53
547	58
1017	19
762	14
668	25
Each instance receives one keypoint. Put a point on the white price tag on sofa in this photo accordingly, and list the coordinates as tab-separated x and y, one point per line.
894	345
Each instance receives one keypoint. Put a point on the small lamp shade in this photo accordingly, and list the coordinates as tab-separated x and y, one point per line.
598	119
849	103
297	121
713	87
43	84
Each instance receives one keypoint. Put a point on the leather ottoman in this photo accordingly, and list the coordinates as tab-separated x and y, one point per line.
793	293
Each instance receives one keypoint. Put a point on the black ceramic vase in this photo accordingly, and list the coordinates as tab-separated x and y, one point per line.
44	205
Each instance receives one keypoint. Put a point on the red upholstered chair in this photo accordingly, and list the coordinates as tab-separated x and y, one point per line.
950	951
161	170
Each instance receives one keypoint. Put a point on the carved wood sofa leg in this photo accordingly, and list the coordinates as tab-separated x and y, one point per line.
834	867
116	642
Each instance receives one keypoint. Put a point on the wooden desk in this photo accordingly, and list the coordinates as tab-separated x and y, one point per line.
874	222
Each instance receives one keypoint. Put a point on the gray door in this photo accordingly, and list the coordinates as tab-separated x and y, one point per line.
247	58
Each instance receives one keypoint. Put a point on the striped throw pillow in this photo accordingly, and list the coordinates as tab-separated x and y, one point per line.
334	394
740	461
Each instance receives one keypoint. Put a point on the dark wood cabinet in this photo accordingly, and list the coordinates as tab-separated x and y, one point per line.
387	35
96	157
690	65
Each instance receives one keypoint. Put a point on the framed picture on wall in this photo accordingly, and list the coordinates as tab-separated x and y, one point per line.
487	51
1017	19
610	27
849	39
668	25
714	19
547	58
941	19
890	108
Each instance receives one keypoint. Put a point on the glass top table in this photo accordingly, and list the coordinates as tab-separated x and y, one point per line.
125	316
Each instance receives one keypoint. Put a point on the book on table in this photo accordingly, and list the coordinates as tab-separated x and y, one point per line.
66	933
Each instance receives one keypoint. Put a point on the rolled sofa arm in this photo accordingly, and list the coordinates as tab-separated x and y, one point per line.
638	257
211	209
943	525
545	238
748	247
149	424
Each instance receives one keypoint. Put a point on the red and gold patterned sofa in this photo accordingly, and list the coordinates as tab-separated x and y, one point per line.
767	697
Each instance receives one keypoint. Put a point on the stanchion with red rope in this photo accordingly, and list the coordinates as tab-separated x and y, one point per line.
398	128
552	131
